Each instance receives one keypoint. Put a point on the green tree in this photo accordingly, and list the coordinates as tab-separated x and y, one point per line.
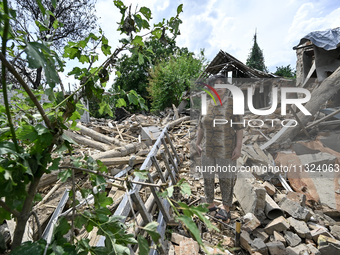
285	71
170	78
134	72
116	97
68	20
255	58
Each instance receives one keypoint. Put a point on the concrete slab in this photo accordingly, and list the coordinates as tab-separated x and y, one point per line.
250	194
326	190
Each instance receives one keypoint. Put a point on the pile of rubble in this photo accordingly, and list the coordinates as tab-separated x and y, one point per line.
283	212
298	229
122	146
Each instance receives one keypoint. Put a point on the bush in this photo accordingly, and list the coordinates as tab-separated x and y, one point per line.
169	79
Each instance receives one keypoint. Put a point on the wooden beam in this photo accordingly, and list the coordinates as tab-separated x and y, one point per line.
98	136
324	118
298	120
87	142
121	161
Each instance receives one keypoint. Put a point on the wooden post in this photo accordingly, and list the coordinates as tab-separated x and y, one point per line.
172	176
170	156
159	170
141	207
159	201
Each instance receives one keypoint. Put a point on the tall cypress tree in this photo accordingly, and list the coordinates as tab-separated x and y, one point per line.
255	58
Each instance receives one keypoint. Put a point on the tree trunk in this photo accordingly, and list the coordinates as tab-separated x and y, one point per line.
25	214
325	91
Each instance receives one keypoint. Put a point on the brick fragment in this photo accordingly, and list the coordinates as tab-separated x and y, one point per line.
188	247
278	237
270	188
292	238
300	227
250	222
279	224
276	248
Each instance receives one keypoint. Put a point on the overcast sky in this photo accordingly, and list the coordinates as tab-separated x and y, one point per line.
230	24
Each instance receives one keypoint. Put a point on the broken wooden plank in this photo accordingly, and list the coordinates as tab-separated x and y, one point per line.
136	199
120	134
277	135
166	162
329	123
262	154
124	207
58	184
172	147
159	200
159	170
178	121
169	155
121	161
253	155
176	116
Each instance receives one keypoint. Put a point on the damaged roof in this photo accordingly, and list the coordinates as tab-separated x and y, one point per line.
224	62
328	39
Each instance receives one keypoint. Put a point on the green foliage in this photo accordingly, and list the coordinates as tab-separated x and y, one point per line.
95	106
134	68
255	58
116	98
188	213
285	71
55	21
51	24
171	77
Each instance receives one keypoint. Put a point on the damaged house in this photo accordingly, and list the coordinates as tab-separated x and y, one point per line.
244	76
318	56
